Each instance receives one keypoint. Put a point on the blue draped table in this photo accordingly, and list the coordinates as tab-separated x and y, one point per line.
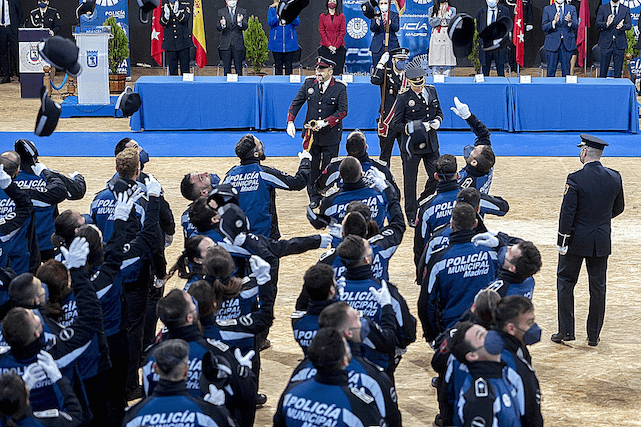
550	104
168	103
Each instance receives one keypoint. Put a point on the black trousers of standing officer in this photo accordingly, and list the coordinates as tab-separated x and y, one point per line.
321	156
8	42
387	145
567	276
410	175
174	57
238	57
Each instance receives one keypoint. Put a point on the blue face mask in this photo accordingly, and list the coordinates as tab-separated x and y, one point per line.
400	65
493	343
144	157
532	335
467	150
364	328
42	5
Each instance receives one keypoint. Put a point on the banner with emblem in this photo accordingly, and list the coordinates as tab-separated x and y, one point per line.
105	9
357	38
415	31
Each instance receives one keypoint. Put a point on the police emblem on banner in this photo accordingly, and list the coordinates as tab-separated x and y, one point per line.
34	54
92	58
357	28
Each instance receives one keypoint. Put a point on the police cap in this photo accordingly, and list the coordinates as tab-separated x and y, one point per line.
48	114
400	52
592	141
322	62
415	72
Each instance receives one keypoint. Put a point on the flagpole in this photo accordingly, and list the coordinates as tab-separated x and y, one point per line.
384	90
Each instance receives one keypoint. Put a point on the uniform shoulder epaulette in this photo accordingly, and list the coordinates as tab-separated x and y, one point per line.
341	82
427	199
226	322
327	254
379	161
361	395
337	159
52	413
218	344
34	10
310	77
429	85
298	314
481	388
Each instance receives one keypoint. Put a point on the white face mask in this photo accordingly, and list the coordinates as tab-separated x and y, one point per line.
384	8
231	3
491	3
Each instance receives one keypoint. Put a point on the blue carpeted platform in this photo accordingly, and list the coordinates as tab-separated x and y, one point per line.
71	108
221	144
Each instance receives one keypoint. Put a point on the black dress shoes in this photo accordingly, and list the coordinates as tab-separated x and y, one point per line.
559	337
594	343
5	80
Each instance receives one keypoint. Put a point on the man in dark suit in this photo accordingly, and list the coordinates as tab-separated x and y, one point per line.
326	100
378	25
231	23
177	39
593	196
613	19
484	17
559	24
44	17
10	20
417	116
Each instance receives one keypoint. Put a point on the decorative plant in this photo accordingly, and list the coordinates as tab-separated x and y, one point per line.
631	51
255	43
118	45
474	56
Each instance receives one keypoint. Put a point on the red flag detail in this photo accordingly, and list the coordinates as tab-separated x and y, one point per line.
157	37
582	33
518	32
400	6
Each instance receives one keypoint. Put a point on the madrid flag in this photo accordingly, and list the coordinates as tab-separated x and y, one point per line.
157	37
198	34
400	6
582	33
517	32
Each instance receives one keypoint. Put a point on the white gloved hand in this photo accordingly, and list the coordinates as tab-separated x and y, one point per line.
260	269
427	126
326	240
45	360
377	178
166	11
159	282
562	249
529	27
5	178
169	239
382	296
74	174
153	186
488	239
38	168
245	362
215	396
33	375
336	230
435	124
383	60
304	155
76	255
124	204
174	6
460	109
291	129
321	124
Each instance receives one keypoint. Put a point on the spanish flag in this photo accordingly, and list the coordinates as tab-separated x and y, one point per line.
198	34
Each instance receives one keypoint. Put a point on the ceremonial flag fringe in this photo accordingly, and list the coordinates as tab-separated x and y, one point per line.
400	6
517	34
157	37
198	34
582	33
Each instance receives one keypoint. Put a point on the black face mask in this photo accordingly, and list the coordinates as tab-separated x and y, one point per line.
144	158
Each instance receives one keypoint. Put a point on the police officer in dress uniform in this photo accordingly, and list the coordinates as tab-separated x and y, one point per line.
416	108
323	125
45	17
177	42
593	196
391	81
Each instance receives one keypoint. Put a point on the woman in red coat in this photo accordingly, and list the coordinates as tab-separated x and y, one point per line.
331	26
